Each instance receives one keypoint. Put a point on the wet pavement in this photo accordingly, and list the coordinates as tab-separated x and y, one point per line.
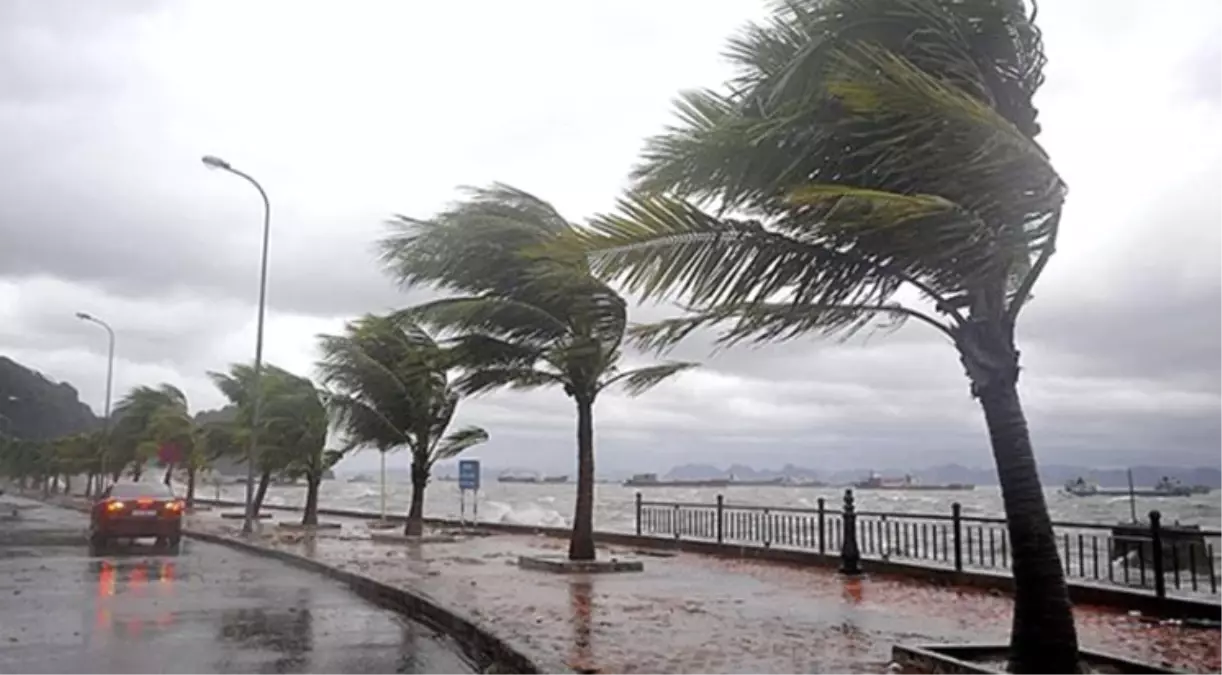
691	613
209	609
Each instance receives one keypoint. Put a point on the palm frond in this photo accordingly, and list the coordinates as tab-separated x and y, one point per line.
660	247
504	317
640	380
458	441
485	380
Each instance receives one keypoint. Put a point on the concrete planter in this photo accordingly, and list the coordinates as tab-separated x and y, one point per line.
989	659
298	527
231	515
559	564
400	538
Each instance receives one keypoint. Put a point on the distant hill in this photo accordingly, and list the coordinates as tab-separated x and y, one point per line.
1053	475
35	407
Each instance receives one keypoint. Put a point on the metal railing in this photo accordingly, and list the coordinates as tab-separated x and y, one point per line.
1148	555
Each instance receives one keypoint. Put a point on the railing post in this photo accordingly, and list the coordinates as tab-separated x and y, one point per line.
1156	548
638	513
850	556
956	520
822	528
721	511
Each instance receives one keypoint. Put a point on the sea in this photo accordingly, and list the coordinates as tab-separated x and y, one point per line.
551	504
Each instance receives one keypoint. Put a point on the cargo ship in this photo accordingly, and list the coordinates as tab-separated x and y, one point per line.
877	482
519	478
1166	487
652	480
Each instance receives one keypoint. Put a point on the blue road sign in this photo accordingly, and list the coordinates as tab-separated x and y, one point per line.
468	474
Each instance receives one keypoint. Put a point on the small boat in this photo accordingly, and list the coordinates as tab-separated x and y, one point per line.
555	479
1080	487
510	477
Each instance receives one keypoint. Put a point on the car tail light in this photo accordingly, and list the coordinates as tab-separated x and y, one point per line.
174	506
115	506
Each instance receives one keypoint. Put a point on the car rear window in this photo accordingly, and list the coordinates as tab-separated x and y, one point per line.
136	490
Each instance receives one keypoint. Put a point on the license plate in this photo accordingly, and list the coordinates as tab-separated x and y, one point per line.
144	512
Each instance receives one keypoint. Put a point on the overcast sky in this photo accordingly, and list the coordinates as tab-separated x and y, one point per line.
348	112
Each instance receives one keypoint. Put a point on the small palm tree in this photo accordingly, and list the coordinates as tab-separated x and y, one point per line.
866	147
524	319
390	387
144	418
296	422
287	417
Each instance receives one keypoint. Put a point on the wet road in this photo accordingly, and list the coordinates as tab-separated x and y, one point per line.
208	610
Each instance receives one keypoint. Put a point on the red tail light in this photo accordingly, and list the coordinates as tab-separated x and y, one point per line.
144	502
174	506
115	505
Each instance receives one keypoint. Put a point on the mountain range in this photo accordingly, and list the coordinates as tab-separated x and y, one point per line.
1051	474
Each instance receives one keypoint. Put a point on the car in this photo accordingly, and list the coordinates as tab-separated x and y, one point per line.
136	510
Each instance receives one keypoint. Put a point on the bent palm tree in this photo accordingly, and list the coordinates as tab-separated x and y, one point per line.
391	387
278	449
523	319
145	418
868	146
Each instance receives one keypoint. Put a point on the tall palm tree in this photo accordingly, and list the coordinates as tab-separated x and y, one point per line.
866	147
144	418
522	318
390	387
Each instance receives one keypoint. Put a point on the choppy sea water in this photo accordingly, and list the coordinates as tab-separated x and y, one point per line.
552	504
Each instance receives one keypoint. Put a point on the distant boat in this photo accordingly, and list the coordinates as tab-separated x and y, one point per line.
555	479
877	482
652	480
1165	487
510	477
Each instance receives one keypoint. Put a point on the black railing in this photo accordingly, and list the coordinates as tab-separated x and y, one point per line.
1150	555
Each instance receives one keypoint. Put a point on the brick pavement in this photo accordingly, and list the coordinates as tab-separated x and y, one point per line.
690	613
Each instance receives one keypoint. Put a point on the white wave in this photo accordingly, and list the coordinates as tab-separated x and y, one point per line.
520	514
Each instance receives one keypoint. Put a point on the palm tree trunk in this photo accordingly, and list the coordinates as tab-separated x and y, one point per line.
89	484
67	484
191	471
169	472
581	544
310	517
137	471
1043	638
415	513
265	479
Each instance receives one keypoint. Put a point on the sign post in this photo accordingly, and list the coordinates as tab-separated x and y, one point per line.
468	479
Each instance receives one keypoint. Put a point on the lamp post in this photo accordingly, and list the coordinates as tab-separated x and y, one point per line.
256	380
110	375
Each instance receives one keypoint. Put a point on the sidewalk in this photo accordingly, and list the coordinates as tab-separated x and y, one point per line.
691	613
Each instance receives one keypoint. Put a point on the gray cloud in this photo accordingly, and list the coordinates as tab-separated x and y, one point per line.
105	208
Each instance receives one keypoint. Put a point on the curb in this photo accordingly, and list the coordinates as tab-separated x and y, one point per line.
489	652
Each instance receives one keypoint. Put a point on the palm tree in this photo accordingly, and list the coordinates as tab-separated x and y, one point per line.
522	319
288	427
867	147
295	421
390	383
146	418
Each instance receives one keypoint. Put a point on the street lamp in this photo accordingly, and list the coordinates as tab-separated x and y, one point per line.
110	374
256	380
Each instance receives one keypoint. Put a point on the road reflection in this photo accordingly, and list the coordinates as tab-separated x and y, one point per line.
118	579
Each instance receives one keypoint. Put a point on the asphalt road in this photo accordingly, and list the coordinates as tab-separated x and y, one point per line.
209	609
